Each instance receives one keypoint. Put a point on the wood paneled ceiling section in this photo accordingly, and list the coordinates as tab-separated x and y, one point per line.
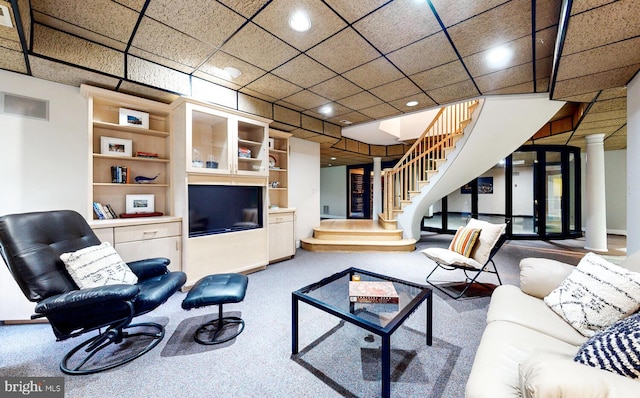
364	58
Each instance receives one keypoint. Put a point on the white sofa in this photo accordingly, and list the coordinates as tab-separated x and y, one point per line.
527	350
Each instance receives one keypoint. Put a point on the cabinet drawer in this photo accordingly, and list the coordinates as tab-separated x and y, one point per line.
280	218
148	231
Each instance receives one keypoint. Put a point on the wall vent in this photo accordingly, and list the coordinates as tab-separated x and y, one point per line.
325	209
18	105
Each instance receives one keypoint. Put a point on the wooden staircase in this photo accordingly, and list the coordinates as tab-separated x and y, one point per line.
355	236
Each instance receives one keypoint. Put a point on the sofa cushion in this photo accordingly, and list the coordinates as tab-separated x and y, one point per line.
549	375
616	349
540	276
489	235
464	240
508	303
98	265
595	295
504	345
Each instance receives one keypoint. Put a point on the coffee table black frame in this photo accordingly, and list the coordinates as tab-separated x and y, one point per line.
405	309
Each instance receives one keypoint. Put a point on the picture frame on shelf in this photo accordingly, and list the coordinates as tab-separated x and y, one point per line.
115	146
272	143
140	204
132	118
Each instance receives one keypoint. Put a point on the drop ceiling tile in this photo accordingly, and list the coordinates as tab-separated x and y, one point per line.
380	111
353	117
215	65
598	81
615	143
303	134
444	75
337	110
373	74
585	5
454	92
609	105
595	28
142	71
615	116
542	85
74	50
206	91
143	91
425	54
600	59
303	71
46	69
275	19
256	94
343	51
586	97
91	16
290	106
215	80
452	12
307	100
615	123
335	88
616	92
255	106
398	24
521	49
547	13
354	10
286	115
274	86
311	123
12	60
8	44
160	60
543	68
168	43
545	42
208	21
321	138
424	102
523	88
246	8
394	90
505	23
360	101
260	48
79	31
506	78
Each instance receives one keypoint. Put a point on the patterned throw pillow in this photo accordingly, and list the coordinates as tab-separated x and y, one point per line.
595	295
616	349
464	240
96	266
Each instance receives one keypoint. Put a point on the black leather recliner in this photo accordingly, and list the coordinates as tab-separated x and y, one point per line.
31	245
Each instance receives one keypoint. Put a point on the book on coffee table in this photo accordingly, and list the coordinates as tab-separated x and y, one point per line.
373	292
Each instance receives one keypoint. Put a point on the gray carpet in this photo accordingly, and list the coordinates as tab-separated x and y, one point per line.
335	359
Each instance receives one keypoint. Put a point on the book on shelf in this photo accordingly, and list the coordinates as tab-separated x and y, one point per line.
373	292
103	212
119	175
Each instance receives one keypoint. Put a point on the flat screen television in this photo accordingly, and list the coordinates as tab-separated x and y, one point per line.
216	209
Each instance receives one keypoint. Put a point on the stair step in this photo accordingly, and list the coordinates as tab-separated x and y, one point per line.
322	245
387	224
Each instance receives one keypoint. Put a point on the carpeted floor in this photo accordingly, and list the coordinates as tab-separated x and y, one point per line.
335	360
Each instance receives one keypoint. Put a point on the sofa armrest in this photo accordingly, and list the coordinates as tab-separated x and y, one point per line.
547	375
540	276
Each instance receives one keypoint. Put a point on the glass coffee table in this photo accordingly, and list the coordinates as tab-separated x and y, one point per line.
332	296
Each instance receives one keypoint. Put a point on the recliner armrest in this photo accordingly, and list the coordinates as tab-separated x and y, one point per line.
86	297
150	267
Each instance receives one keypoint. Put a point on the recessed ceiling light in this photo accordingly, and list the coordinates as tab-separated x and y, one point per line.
333	158
499	57
232	72
412	103
326	110
300	22
345	122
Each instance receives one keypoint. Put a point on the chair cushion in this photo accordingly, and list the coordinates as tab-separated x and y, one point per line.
98	265
616	349
595	295
487	240
216	289
449	257
464	240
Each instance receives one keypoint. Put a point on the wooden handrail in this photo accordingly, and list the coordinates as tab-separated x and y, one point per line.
414	169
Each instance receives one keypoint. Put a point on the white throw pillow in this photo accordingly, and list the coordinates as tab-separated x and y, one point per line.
96	266
489	235
595	295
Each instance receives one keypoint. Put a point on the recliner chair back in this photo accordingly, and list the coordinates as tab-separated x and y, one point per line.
33	252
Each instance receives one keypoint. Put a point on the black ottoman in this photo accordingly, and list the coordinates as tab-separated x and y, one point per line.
217	289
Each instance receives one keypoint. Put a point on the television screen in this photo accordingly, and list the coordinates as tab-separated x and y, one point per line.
215	209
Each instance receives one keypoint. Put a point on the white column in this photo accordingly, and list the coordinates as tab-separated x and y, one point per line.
595	202
633	165
377	188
